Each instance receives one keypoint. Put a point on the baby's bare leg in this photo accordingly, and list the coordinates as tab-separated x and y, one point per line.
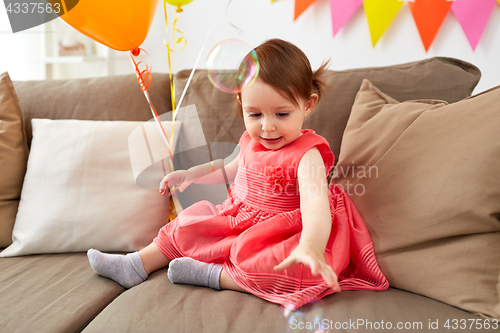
152	258
227	283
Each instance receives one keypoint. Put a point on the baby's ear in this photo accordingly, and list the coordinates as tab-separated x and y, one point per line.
238	98
311	103
314	98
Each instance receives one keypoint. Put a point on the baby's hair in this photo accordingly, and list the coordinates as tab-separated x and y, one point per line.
286	68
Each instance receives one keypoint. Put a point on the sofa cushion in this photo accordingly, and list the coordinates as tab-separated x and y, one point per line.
13	157
424	176
51	293
157	305
107	98
80	192
437	78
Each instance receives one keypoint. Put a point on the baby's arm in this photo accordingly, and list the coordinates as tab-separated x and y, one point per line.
316	219
202	174
314	204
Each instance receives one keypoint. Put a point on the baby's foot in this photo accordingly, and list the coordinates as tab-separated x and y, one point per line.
189	271
127	270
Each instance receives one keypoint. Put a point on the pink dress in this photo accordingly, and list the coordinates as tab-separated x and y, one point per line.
260	223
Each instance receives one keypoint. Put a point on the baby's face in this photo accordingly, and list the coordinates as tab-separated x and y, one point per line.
271	119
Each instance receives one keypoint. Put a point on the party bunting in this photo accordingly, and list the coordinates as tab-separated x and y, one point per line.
428	16
473	16
341	11
380	14
301	6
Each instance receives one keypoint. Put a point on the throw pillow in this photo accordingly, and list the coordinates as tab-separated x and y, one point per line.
437	78
424	176
13	157
79	191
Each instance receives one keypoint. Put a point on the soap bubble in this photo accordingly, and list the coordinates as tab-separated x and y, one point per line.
310	318
232	65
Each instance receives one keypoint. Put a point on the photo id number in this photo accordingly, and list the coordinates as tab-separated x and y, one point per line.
33	7
468	324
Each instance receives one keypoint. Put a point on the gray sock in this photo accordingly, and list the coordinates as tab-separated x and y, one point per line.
189	271
127	270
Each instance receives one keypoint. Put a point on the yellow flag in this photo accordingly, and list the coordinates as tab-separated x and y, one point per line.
380	14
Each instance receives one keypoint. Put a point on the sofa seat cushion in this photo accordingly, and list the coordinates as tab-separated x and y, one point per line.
157	305
51	293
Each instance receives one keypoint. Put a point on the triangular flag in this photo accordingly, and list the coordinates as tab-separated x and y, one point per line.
300	6
428	16
342	11
473	16
380	14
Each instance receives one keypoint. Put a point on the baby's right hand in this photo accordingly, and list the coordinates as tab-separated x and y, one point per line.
175	178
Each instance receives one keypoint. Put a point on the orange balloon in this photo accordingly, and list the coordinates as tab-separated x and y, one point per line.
121	25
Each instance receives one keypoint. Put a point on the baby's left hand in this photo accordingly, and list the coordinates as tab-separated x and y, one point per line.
315	261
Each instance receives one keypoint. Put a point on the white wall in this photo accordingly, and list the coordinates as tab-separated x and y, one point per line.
261	20
351	48
19	52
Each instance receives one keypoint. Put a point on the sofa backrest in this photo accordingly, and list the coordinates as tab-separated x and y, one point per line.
120	98
435	78
107	98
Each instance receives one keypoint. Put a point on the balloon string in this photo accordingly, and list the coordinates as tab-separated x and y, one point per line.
144	77
174	202
170	74
238	30
171	55
215	18
172	50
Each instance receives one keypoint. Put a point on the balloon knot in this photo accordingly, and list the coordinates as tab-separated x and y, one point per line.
179	9
135	52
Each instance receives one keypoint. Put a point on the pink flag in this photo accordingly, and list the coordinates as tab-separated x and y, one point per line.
342	11
473	16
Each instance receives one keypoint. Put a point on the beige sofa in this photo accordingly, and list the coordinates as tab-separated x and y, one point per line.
59	292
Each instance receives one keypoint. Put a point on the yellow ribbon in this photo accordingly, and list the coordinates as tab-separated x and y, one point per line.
174	202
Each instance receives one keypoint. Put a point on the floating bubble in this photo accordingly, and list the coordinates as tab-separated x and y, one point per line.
232	65
310	318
